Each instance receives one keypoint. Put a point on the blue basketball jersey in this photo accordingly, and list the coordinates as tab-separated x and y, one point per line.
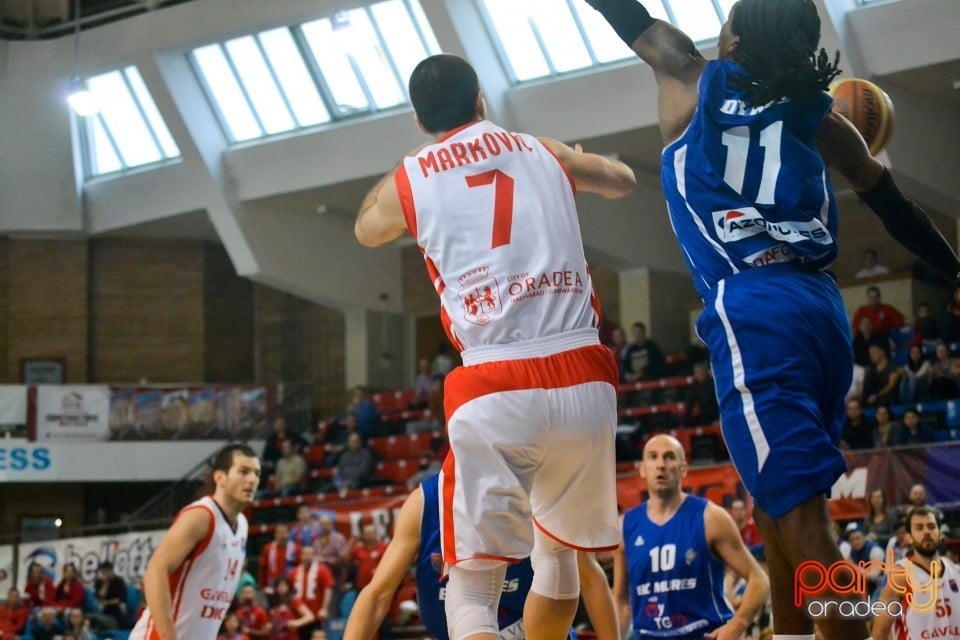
676	585
745	186
430	592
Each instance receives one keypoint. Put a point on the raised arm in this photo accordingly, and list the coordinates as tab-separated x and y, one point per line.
597	597
373	603
843	148
381	217
594	173
725	543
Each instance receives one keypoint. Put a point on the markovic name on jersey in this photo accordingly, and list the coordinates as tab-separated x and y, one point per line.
457	154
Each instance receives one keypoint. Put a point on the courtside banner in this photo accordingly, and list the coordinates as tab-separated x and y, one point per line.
6	568
73	412
13	404
129	553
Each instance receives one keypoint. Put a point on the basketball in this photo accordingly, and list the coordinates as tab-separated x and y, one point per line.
868	107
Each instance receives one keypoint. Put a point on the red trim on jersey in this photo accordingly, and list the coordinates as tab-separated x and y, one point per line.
570	544
402	182
434	274
207	538
566	170
448	329
455	131
594	363
449	540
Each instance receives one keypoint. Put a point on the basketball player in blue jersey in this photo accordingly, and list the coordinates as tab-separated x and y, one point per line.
668	573
416	543
748	140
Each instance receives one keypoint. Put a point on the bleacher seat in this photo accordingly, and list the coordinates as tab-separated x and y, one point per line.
405	446
391	401
398	471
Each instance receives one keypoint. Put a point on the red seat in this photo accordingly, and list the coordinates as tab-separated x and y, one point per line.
406	446
315	455
398	471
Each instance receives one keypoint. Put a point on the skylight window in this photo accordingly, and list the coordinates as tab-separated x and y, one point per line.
551	37
352	62
128	130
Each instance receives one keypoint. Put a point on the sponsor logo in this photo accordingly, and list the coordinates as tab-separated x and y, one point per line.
732	225
771	255
638	542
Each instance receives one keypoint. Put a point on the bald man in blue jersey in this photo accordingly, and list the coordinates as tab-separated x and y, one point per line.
416	543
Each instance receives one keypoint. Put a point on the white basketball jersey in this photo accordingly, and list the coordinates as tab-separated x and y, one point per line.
203	586
494	215
942	620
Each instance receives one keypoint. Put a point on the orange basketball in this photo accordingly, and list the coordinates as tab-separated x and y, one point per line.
868	107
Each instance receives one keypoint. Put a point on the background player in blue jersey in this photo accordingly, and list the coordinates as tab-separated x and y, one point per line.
668	574
416	543
749	137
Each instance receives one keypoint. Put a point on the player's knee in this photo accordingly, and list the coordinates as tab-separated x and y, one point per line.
472	597
555	574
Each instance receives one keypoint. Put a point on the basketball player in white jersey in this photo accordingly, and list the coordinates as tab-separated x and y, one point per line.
192	576
934	583
532	413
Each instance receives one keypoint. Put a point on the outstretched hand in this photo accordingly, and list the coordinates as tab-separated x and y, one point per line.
732	630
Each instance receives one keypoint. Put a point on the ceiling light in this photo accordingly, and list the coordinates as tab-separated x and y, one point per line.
81	99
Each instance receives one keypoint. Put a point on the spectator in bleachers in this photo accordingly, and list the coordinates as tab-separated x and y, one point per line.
870	267
356	466
38	590
881	385
331	545
45	626
110	593
75	625
885	318
700	398
313	583
864	550
857	428
277	557
925	328
422	385
291	471
254	619
899	543
914	432
306	529
288	613
338	435
886	433
364	556
246	578
434	421
942	384
363	406
230	629
618	346
878	524
950	321
642	359
442	363
14	614
863	339
70	593
917	374
272	446
749	532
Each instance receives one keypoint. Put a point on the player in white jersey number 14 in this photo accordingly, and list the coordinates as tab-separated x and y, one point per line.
192	577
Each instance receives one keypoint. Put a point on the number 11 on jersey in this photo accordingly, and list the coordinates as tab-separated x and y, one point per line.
502	203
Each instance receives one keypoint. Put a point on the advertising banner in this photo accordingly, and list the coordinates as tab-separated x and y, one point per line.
72	412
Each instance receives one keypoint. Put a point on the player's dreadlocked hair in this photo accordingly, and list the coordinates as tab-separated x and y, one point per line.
778	49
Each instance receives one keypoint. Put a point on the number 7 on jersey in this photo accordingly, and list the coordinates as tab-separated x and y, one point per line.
502	203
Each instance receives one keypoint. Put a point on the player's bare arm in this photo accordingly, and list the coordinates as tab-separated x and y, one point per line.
381	217
187	532
373	603
883	623
726	544
621	591
671	54
843	149
594	173
597	597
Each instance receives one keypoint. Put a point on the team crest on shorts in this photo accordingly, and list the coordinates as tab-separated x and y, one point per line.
480	295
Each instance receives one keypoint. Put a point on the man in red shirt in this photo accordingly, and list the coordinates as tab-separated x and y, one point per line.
366	555
885	318
254	620
313	583
39	588
748	528
277	558
14	614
